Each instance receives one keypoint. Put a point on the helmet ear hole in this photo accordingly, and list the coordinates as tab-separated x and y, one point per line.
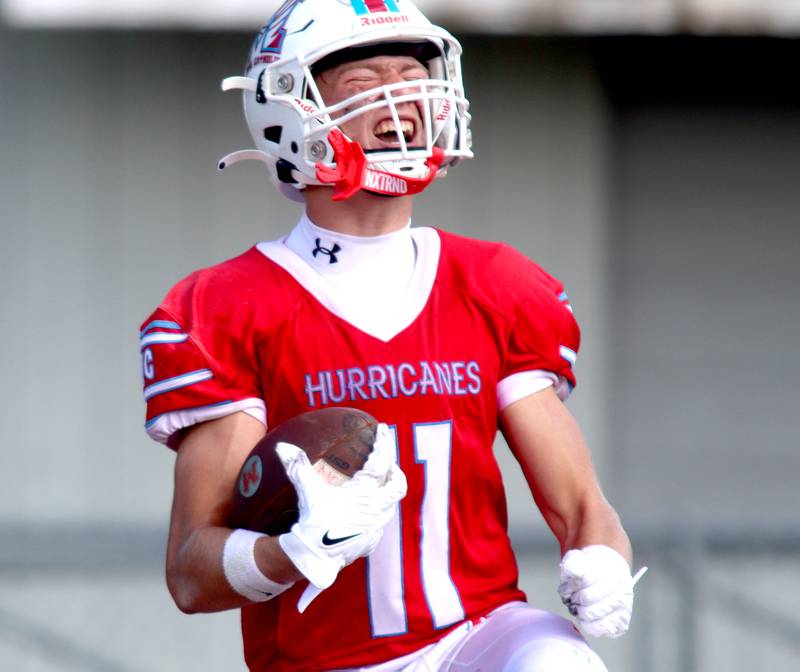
284	169
273	134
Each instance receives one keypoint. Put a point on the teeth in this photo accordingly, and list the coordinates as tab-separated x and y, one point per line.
385	127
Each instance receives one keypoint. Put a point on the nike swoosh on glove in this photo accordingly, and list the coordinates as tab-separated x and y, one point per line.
597	588
339	524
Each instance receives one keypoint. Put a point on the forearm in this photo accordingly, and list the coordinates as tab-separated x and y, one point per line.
196	576
595	523
207	465
555	460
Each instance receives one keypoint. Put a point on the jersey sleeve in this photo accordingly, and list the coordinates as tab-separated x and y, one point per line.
197	361
544	337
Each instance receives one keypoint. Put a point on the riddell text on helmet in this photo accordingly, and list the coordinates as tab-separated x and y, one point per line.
444	112
305	106
379	20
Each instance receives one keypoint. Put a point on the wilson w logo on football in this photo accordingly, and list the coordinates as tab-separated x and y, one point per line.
251	476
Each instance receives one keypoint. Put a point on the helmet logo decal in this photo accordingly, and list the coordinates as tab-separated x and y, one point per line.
270	39
371	6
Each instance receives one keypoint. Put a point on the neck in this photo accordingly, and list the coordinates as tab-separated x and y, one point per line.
363	214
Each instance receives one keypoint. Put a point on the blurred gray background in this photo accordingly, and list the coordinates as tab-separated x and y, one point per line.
647	154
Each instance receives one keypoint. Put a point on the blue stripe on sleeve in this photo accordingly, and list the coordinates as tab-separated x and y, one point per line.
159	324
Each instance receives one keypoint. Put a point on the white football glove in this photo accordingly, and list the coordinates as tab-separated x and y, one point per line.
597	588
339	524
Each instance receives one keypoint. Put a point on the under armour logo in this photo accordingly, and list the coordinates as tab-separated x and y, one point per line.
324	250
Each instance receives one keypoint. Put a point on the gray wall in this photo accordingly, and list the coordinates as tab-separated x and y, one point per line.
670	219
705	278
707	302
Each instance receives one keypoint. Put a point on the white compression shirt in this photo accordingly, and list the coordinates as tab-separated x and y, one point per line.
370	273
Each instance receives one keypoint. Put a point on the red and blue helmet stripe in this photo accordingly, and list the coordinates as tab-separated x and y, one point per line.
373	6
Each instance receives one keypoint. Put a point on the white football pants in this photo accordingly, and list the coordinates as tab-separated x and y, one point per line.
513	638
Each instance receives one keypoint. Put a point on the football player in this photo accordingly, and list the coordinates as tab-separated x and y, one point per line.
355	107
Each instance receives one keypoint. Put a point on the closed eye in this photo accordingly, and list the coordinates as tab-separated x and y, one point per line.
415	73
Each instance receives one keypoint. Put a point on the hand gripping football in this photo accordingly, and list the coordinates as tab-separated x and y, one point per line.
337	440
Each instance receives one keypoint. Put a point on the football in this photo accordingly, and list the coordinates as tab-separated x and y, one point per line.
337	440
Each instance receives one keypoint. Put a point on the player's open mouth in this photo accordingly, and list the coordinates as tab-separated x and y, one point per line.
386	131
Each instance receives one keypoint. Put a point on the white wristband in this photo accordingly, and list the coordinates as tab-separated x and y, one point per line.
241	571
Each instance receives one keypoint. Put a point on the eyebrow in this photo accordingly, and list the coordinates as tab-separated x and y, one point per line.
345	67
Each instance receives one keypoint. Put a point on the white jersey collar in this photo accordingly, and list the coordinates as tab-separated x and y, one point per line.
379	285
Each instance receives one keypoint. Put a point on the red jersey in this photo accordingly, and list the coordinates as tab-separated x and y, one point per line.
481	327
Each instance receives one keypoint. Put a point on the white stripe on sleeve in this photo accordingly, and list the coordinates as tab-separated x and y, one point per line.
177	383
157	337
569	354
519	385
164	426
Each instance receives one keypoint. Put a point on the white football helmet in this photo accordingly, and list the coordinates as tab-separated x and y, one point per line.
295	130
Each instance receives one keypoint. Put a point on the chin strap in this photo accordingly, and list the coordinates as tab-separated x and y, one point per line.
352	172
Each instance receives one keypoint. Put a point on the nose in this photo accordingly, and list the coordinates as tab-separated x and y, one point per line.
411	87
395	77
392	76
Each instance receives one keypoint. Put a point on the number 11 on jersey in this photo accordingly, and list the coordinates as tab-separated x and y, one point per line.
433	450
